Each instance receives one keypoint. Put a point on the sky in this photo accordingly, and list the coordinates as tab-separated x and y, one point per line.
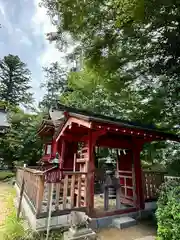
23	33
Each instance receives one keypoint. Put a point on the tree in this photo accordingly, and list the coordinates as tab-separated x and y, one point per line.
14	81
126	103
115	34
131	56
55	84
21	143
87	92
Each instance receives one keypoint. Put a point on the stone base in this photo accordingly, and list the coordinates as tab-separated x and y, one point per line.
123	222
80	234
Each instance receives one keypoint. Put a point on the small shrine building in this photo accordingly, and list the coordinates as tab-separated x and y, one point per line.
67	168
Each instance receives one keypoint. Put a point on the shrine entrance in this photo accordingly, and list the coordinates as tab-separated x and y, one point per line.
114	182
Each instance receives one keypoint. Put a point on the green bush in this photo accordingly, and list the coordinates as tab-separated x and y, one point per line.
5	175
168	212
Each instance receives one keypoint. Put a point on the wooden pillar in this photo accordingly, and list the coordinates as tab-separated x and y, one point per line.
40	194
140	204
61	157
54	148
90	169
63	148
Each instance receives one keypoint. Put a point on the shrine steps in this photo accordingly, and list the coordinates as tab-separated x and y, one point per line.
123	222
108	221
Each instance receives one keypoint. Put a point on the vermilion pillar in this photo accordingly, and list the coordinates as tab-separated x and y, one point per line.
90	169
138	175
54	148
62	155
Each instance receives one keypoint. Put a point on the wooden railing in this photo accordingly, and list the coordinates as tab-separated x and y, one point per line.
33	186
170	178
152	181
127	181
71	191
68	194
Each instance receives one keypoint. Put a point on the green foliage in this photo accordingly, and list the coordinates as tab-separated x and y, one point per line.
131	62
168	217
54	85
6	175
96	24
21	142
172	158
128	51
14	81
88	92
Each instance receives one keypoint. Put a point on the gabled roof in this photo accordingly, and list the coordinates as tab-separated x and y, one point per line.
92	117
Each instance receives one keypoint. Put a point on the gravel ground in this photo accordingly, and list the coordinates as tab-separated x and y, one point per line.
144	230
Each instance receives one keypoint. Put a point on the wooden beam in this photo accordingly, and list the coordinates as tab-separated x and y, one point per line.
80	122
40	194
61	212
95	135
115	143
62	130
70	121
90	169
62	155
20	198
143	134
65	191
72	137
99	214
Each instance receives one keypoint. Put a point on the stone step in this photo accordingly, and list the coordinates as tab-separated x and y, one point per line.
123	222
147	238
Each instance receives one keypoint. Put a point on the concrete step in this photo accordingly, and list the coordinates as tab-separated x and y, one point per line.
123	222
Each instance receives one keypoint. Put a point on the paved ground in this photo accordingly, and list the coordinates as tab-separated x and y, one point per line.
143	231
147	238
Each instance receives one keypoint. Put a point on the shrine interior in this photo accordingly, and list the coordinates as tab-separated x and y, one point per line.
113	176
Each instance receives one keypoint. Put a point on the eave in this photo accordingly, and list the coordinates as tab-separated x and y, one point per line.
99	122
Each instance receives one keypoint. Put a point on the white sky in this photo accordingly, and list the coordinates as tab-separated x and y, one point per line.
23	33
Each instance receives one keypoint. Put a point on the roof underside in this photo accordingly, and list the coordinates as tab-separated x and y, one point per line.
46	128
107	121
60	115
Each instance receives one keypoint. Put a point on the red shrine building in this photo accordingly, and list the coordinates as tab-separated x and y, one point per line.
68	166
